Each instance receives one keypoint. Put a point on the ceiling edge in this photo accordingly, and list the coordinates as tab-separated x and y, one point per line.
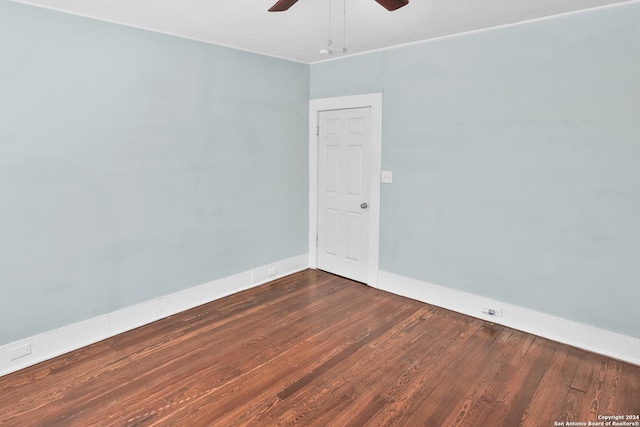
399	46
166	33
480	30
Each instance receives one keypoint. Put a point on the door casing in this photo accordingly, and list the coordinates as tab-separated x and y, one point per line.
374	101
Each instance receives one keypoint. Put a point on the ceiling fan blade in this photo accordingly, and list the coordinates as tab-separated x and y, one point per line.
282	5
393	4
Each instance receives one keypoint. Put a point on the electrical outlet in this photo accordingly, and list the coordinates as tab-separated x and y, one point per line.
387	177
492	311
271	271
18	352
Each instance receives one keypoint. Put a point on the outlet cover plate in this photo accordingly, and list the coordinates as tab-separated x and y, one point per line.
18	352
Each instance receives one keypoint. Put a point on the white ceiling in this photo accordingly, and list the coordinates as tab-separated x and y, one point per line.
299	33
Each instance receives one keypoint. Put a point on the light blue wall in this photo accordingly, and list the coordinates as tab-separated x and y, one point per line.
134	165
516	161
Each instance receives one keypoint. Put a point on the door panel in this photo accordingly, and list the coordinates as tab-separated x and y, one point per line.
332	168
354	169
354	236
343	187
332	232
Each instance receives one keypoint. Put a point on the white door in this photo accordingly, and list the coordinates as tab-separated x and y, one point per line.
344	151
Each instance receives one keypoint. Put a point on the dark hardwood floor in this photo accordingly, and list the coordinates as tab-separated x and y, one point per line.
316	349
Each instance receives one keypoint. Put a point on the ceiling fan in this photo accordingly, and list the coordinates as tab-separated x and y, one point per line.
390	5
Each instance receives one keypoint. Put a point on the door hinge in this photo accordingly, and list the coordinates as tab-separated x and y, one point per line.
316	239
317	130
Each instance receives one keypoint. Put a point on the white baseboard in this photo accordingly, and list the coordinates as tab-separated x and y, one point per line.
63	340
596	340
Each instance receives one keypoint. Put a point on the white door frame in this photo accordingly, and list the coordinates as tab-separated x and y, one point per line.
373	100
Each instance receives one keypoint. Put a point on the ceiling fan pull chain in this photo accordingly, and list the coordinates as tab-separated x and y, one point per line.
344	26
329	41
326	50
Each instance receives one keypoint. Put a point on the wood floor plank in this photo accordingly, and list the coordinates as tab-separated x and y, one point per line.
528	378
549	400
319	350
584	373
357	334
596	395
322	395
143	339
354	384
631	389
575	394
436	407
512	377
486	392
434	371
218	377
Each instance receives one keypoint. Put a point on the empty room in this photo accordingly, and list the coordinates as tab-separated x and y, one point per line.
320	212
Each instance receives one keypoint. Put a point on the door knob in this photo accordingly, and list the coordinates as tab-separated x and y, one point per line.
364	206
